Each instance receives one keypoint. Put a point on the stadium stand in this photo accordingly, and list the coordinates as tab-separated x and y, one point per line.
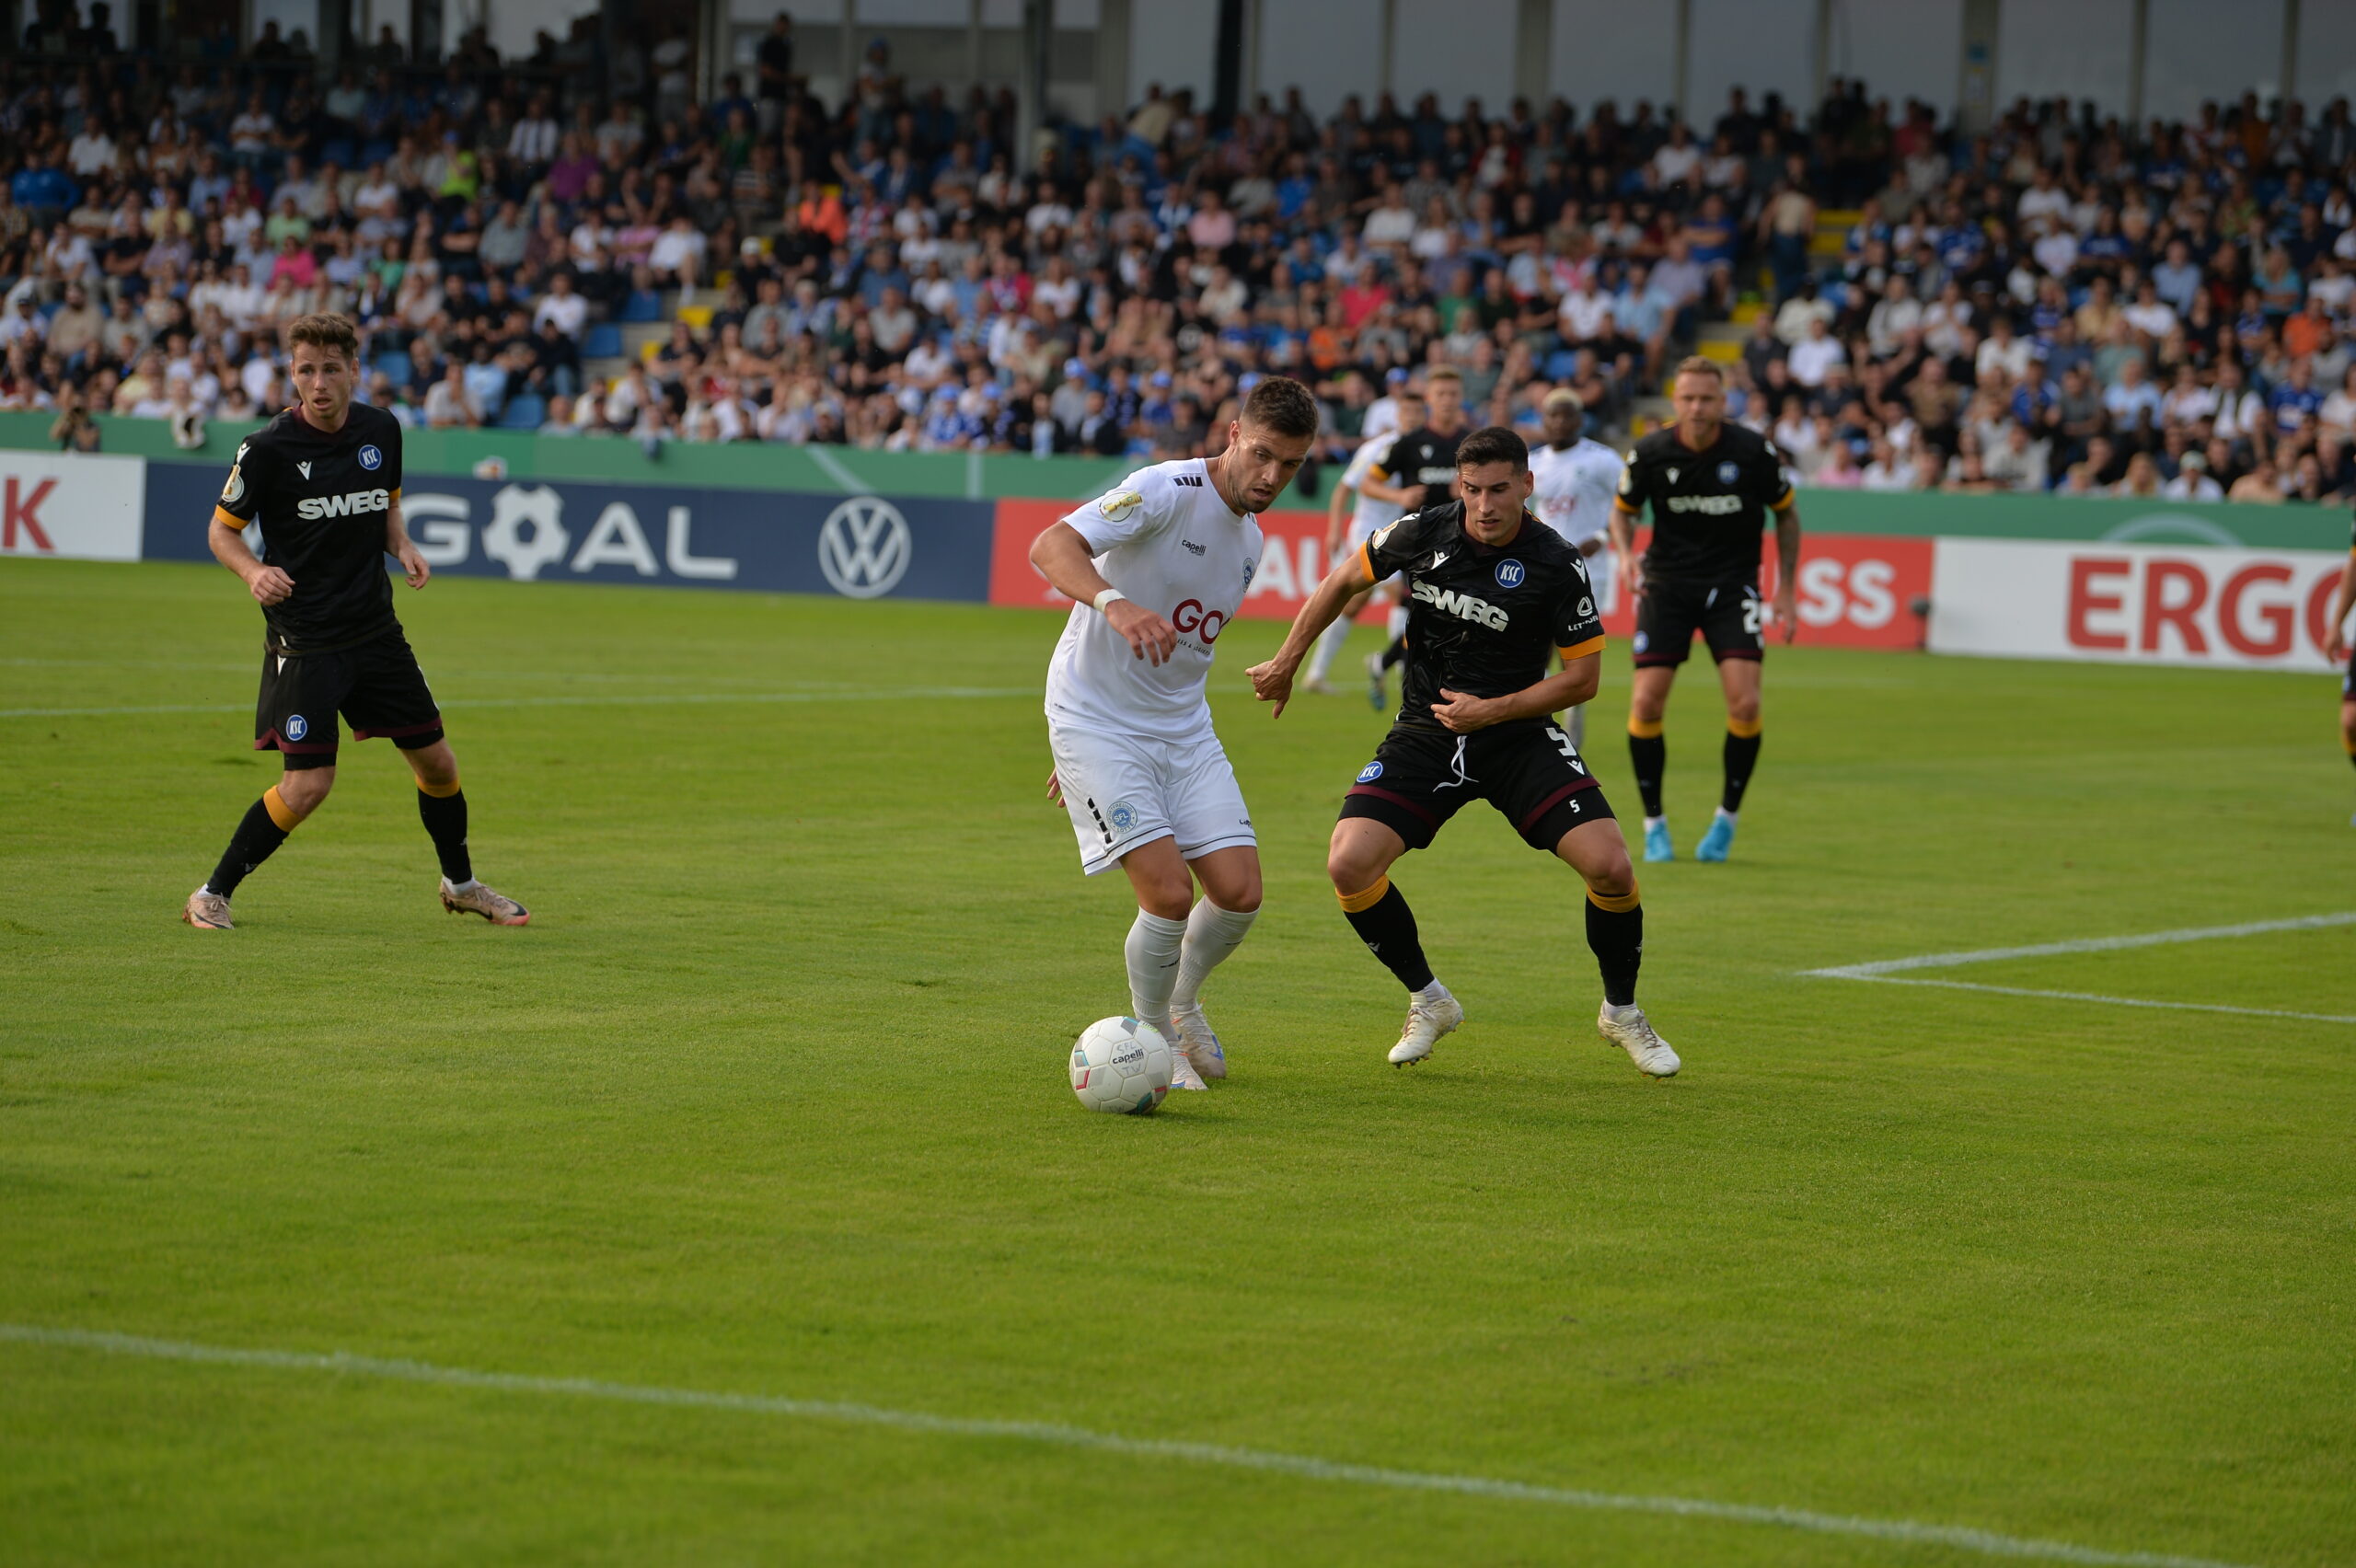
2060	303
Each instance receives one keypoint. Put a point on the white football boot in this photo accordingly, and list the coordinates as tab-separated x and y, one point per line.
1196	1042
1429	1016
1632	1032
1182	1070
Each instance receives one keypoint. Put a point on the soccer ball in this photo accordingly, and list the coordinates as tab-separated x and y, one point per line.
1122	1066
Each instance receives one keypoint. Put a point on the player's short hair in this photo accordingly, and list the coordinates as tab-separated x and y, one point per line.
1564	398
324	330
1701	365
1281	406
1493	443
1444	373
1406	394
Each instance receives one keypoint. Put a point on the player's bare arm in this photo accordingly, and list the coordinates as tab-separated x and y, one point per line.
2336	640
1271	682
267	584
1574	683
1407	495
1337	519
1067	563
1787	578
399	545
1623	548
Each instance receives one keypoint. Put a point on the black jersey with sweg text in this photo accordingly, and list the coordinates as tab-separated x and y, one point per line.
1482	620
321	500
1424	457
1710	507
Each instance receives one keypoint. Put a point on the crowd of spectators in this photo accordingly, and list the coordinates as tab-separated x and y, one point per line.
2059	302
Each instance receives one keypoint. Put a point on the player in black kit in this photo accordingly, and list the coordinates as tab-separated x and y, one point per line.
1492	594
2337	650
324	481
1712	485
1419	471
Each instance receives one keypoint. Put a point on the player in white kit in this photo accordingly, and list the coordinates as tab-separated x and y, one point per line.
1576	479
1157	569
1368	516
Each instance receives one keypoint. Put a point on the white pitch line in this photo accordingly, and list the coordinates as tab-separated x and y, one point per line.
1986	1542
651	700
2087	944
2097	997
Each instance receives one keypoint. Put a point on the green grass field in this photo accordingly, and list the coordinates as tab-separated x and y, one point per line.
769	1101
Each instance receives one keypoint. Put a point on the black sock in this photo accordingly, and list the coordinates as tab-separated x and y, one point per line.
1617	938
1649	754
257	838
445	818
1388	928
1396	652
1742	755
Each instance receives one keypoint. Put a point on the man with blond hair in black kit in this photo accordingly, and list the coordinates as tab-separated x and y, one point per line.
323	480
1711	485
1493	595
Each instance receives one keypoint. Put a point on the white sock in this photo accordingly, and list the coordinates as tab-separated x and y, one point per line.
466	886
1432	992
1725	815
1211	934
1651	822
1152	950
1329	644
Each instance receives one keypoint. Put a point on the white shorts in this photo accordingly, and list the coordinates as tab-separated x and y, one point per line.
1123	790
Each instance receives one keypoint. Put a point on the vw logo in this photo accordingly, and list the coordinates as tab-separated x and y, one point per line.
864	547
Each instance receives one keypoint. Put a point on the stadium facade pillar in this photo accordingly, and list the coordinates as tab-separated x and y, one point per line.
1387	73
2139	44
849	52
1533	52
2289	49
1113	59
1681	59
1976	88
712	41
1031	90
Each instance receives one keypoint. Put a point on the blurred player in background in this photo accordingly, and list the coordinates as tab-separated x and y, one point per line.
2339	651
1577	477
324	481
1344	534
1156	571
1495	595
1711	485
1418	471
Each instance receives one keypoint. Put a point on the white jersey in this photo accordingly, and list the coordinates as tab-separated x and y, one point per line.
1369	515
1166	540
1576	485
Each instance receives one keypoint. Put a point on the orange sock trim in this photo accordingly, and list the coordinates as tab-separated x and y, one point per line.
2348	743
280	812
1645	729
439	791
1746	727
1620	905
1358	902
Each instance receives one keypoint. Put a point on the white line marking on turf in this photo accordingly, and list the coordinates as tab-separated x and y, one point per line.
2114	1001
2084	944
1886	971
1963	1537
652	700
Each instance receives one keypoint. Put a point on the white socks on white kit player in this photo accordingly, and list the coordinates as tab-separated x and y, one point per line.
1152	950
1211	934
1168	960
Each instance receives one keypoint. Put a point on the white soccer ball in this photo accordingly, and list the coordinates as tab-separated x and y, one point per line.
1122	1066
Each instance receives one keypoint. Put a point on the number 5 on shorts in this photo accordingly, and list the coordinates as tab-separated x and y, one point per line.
1562	744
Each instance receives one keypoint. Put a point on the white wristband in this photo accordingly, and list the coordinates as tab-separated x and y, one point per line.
1104	600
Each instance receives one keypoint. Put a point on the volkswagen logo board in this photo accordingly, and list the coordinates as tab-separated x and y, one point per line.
864	547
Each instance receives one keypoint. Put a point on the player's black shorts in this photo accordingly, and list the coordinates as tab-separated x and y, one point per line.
1670	611
1531	773
2348	681
377	687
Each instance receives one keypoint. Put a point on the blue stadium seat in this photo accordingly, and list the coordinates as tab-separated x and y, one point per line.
603	341
1562	365
642	306
394	368
526	411
339	152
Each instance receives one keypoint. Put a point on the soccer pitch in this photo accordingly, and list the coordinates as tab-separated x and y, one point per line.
737	1209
